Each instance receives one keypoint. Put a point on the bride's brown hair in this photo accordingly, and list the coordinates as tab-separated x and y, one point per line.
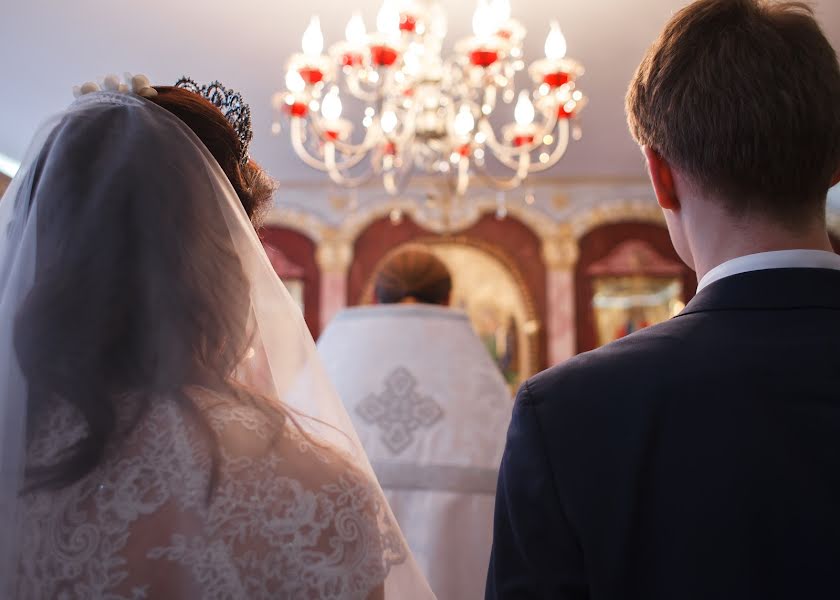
252	185
138	292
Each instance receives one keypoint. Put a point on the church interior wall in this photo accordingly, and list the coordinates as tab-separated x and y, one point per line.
300	249
551	240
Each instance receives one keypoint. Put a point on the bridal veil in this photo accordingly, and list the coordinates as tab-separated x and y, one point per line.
116	160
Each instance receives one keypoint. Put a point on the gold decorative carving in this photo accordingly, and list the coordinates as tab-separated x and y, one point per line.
450	221
303	222
334	253
560	201
560	250
635	258
339	202
616	212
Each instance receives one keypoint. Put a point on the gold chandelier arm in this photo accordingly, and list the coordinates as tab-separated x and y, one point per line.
507	155
504	154
463	180
491	99
396	179
334	170
300	148
559	149
355	151
374	96
505	185
355	88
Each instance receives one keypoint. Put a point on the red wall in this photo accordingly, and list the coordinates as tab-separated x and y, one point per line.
300	250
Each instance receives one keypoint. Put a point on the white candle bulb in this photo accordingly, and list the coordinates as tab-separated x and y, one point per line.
464	122
294	82
555	43
501	11
523	113
313	39
331	106
355	30
388	18
483	22
438	25
388	121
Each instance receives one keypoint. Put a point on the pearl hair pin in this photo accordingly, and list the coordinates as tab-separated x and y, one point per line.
137	84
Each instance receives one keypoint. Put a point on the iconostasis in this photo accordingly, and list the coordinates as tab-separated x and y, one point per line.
537	292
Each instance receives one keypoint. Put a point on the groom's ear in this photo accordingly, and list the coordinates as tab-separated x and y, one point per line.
662	178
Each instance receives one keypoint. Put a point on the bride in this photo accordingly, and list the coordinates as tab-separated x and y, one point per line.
166	429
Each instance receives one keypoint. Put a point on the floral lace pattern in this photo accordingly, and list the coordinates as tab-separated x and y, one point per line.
286	519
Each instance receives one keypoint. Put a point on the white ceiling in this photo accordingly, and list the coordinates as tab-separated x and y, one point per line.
47	46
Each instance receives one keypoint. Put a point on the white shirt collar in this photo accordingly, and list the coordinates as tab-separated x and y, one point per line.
778	259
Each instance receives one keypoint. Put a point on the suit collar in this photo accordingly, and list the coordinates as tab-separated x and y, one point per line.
771	289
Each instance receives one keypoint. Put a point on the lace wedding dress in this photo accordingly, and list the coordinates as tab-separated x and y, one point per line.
287	518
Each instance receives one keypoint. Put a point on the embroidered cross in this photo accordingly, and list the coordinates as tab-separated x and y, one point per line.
399	410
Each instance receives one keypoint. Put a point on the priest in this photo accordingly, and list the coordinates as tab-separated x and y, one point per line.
432	411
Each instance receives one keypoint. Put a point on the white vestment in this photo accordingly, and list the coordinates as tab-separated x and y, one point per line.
431	409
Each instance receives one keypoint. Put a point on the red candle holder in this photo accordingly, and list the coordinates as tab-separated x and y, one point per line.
481	51
351	59
389	148
336	130
346	54
465	150
314	70
382	55
311	75
297	109
555	73
555	80
523	140
408	23
483	57
562	113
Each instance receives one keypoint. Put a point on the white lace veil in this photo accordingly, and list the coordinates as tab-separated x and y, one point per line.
119	161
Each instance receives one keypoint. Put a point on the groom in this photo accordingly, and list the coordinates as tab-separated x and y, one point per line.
700	458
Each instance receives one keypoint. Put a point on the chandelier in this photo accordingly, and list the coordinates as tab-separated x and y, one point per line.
424	112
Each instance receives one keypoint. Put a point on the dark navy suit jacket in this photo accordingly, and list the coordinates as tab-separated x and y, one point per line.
698	459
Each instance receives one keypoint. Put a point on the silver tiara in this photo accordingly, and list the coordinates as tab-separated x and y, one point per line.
233	107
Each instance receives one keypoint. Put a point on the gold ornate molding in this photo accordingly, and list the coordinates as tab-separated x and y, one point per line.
303	222
452	222
560	250
334	253
616	212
